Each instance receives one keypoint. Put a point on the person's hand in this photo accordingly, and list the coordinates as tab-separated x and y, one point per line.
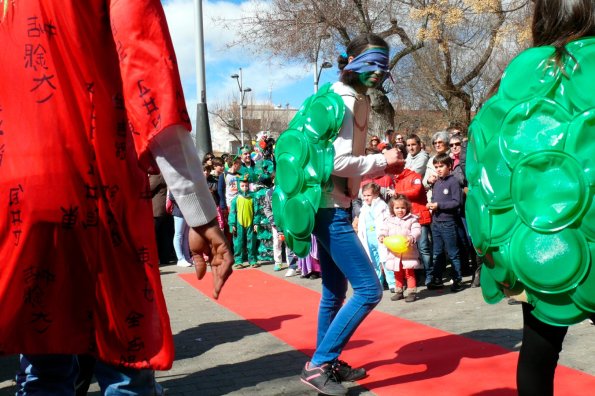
234	230
255	228
410	241
432	179
381	238
432	205
394	161
208	240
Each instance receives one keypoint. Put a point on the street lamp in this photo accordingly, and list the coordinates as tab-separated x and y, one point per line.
243	91
325	65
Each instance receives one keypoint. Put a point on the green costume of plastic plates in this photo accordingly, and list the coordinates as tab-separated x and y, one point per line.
531	172
305	157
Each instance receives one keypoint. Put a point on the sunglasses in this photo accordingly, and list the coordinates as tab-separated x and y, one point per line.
457	144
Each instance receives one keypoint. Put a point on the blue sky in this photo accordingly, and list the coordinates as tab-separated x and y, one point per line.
284	84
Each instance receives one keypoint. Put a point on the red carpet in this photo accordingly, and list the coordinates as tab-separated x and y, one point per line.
401	356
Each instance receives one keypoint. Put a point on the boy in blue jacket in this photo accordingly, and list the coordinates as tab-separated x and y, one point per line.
447	199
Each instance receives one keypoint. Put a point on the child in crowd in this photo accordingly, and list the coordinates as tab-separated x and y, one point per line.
309	266
409	183
241	224
262	226
278	237
447	198
228	183
371	216
402	222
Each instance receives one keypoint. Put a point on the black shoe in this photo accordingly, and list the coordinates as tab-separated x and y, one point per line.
435	284
344	372
323	379
314	275
457	286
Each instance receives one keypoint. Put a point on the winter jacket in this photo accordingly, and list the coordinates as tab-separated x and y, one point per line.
409	183
407	226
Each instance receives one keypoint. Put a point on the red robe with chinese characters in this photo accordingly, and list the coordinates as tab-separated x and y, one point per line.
84	87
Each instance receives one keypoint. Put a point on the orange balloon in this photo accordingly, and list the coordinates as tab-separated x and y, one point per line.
396	243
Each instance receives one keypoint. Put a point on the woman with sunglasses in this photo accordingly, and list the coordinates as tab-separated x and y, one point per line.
440	142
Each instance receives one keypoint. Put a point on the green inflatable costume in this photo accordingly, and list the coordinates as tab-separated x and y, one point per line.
531	172
304	154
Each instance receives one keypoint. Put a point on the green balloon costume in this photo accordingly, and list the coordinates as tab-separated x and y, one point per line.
304	155
531	172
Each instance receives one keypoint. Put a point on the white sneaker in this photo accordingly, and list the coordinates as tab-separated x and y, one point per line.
290	272
183	263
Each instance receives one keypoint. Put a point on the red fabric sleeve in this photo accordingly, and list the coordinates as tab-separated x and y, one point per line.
151	84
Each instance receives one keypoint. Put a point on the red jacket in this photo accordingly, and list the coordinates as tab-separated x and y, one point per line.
409	184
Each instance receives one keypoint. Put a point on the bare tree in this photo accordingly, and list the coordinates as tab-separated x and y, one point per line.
440	48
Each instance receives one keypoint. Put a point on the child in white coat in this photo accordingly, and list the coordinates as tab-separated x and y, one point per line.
402	222
372	213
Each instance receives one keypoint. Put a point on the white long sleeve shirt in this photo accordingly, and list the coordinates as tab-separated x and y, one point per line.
350	163
176	156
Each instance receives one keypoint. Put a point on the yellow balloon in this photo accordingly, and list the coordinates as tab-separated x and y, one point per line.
396	243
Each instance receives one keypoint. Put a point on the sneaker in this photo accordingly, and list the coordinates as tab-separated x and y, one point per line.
410	297
457	286
183	263
393	290
278	267
323	379
290	272
397	296
435	284
344	372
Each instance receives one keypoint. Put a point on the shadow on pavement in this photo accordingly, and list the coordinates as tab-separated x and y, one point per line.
506	338
195	341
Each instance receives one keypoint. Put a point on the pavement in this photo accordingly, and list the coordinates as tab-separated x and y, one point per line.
219	353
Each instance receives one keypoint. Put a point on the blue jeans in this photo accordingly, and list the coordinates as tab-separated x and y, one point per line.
181	239
342	258
55	375
444	238
424	246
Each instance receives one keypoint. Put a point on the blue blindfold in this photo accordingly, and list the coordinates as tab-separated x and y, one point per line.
369	61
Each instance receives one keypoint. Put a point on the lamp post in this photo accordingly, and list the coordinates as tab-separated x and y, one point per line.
324	65
203	130
243	91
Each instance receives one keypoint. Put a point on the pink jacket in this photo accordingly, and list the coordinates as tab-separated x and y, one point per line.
407	226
